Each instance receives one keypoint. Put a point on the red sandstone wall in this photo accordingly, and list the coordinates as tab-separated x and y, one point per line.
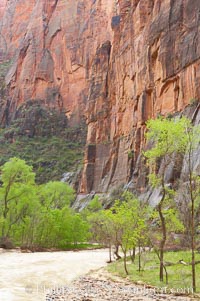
52	44
153	68
118	62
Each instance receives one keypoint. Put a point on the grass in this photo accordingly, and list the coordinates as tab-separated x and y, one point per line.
179	275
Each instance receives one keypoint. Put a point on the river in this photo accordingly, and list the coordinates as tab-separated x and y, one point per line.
29	276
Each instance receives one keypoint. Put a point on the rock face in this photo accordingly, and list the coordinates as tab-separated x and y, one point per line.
153	69
52	44
116	62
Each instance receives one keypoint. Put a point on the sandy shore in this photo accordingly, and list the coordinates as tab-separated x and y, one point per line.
100	286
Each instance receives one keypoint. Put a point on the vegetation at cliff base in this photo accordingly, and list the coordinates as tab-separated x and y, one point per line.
50	157
36	216
43	138
175	141
157	244
171	223
132	232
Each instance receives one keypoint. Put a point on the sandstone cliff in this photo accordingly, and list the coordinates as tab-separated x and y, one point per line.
117	63
153	69
52	44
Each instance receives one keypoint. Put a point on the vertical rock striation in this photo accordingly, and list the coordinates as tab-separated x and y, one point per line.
52	44
153	70
116	62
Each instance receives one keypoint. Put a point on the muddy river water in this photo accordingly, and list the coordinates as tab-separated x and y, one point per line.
29	276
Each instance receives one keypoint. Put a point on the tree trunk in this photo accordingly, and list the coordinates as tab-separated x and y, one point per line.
110	253
193	250
133	255
125	265
139	258
163	240
161	264
117	252
193	242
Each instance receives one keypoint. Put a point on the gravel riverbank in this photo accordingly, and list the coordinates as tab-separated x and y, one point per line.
101	286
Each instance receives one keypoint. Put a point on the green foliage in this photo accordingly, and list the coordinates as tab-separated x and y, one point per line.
37	215
127	220
168	137
100	227
78	229
130	154
95	205
50	156
15	193
179	274
16	171
55	195
42	137
122	225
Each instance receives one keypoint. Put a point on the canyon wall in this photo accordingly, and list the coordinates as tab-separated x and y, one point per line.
51	45
153	70
114	62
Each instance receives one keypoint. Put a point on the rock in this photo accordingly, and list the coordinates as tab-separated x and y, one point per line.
116	62
147	76
94	288
53	44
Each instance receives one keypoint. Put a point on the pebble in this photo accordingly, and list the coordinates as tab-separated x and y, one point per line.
91	288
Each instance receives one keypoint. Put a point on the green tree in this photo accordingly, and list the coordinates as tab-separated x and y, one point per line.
101	229
37	215
16	193
192	187
121	226
53	227
128	223
55	194
167	137
78	228
95	205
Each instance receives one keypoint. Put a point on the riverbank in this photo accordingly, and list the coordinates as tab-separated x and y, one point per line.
78	247
100	285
